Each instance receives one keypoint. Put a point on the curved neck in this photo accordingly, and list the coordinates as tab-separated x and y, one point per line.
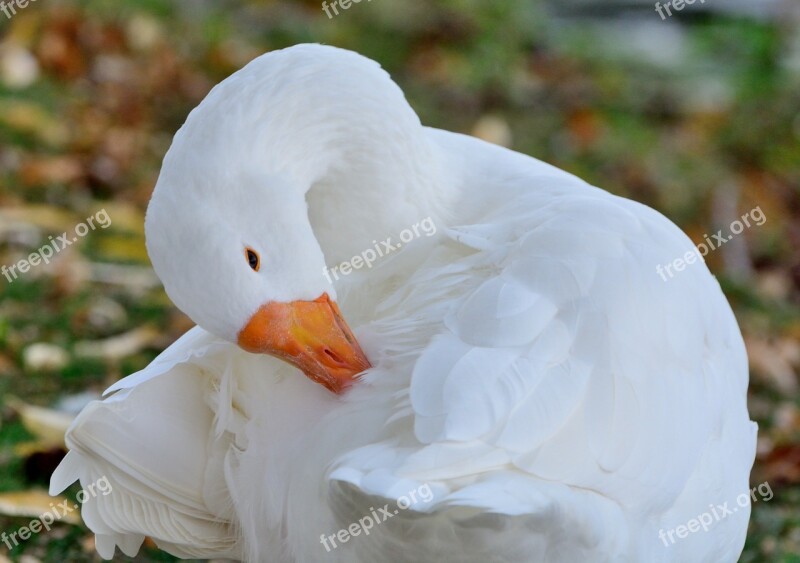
378	189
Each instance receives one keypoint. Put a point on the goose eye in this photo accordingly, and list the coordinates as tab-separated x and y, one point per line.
253	259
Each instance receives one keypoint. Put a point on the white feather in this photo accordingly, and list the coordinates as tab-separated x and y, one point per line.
560	400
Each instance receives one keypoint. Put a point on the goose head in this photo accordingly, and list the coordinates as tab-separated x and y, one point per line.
247	268
307	132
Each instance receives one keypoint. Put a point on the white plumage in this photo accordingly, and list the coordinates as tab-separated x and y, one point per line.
560	400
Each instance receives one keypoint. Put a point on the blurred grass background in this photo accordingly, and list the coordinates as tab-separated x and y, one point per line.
697	116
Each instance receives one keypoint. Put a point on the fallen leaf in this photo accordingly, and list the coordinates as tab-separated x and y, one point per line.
45	217
51	170
46	424
493	129
42	356
113	248
18	67
35	504
117	347
772	361
32	119
782	465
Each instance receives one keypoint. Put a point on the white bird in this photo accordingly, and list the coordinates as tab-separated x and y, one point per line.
535	390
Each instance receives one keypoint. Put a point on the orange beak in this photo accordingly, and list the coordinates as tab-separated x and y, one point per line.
311	335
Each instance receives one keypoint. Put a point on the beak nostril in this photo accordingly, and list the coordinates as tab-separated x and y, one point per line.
312	336
328	352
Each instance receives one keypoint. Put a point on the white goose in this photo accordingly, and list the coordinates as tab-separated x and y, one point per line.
537	392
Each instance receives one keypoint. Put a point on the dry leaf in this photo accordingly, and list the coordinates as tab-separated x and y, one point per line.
35	503
113	248
32	119
782	465
118	347
18	67
125	217
493	129
51	170
42	356
45	217
773	361
47	425
138	279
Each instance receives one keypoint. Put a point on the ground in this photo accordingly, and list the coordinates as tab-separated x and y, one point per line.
696	116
